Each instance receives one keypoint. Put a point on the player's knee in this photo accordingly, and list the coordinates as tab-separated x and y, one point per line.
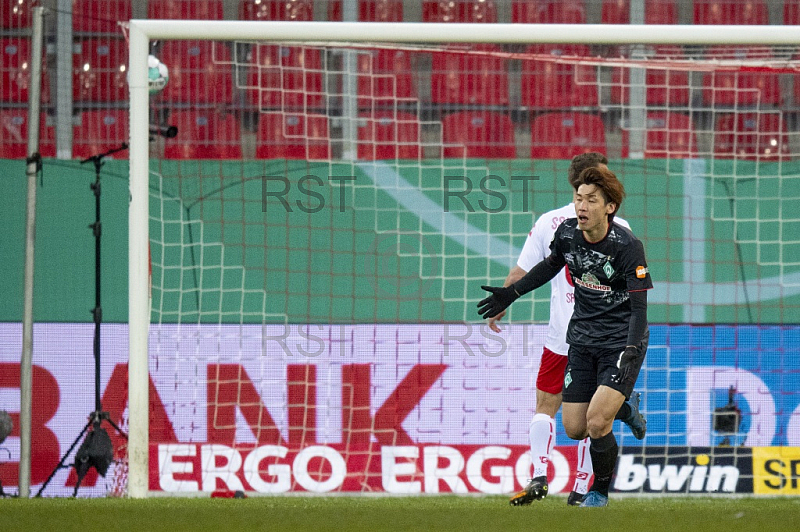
598	426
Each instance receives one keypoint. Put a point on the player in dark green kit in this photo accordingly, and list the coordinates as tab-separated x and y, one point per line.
608	332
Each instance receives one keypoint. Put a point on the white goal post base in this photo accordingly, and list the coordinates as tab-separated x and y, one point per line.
141	32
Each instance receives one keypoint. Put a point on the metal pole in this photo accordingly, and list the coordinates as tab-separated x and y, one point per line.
34	161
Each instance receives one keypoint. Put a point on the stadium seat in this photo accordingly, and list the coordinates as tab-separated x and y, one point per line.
204	134
287	78
791	12
17	13
730	12
388	135
458	78
740	88
669	136
655	12
185	9
293	136
276	10
98	131
751	136
663	87
478	134
474	11
385	76
563	135
548	12
199	72
552	84
14	135
100	70
15	53
370	10
99	16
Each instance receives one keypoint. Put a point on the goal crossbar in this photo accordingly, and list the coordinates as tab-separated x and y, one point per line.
141	32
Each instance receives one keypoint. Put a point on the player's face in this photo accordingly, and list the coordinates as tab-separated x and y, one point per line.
592	212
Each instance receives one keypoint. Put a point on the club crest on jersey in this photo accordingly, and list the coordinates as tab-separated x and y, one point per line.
608	270
567	380
590	281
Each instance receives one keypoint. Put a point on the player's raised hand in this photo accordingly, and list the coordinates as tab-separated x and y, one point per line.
496	303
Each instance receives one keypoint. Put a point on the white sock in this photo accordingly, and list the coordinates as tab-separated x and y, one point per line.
584	471
542	436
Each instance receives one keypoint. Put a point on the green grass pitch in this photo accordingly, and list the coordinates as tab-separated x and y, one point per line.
318	513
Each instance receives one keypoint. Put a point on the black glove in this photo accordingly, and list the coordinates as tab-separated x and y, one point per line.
496	303
627	363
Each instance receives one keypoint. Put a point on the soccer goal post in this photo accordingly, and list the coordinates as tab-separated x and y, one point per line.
357	36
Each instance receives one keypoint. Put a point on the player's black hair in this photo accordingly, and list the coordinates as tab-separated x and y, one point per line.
581	162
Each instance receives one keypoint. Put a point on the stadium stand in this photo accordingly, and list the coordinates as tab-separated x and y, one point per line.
669	136
98	131
204	134
478	134
293	136
562	135
388	135
199	72
100	70
14	128
276	10
751	136
469	79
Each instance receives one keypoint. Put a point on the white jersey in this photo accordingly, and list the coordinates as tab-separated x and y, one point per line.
562	293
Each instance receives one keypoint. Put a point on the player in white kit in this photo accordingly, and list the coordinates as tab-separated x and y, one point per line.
550	379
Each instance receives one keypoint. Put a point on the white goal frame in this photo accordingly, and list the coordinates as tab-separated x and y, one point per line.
141	32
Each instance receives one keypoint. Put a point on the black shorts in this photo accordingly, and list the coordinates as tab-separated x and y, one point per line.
590	367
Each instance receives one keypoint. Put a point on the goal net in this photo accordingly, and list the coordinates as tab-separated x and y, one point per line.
306	255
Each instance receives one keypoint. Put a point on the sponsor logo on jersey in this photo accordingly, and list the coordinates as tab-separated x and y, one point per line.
591	282
641	272
608	270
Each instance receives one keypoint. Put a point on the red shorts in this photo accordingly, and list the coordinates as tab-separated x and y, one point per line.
551	372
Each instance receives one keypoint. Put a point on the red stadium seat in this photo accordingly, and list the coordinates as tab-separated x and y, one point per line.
731	12
15	76
204	134
478	134
663	87
548	12
199	72
791	12
751	136
563	135
370	10
99	16
100	70
14	135
385	75
185	9
655	12
285	78
293	136
100	131
17	13
458	78
669	136
552	84
276	10
460	11
740	88
388	135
